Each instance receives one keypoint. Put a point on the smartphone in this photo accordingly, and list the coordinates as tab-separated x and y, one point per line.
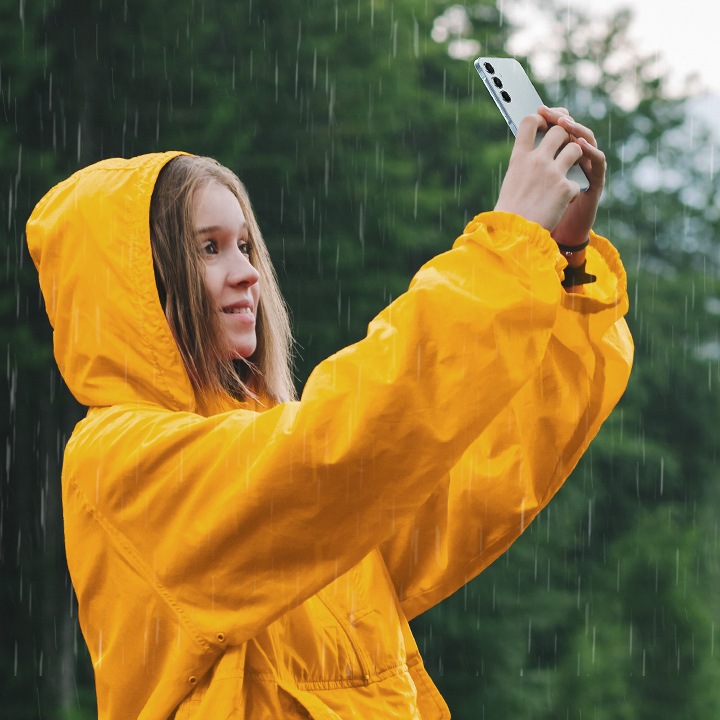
516	96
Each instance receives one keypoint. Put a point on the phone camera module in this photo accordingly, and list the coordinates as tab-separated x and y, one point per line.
497	81
505	96
489	68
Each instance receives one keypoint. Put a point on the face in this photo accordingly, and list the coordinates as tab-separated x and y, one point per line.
222	234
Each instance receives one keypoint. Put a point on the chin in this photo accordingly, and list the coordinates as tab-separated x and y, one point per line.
244	352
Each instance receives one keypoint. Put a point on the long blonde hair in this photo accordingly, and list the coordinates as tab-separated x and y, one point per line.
190	311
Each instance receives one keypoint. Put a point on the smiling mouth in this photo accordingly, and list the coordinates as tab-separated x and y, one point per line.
237	311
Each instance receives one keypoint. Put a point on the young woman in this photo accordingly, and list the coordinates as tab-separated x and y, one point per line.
239	553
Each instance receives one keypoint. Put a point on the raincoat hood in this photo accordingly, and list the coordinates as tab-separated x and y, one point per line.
89	238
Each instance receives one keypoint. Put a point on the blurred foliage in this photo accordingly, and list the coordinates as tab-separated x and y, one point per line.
365	146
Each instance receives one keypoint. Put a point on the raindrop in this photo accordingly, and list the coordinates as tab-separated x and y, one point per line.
277	78
712	162
43	508
362	228
331	105
662	475
529	636
579	587
712	640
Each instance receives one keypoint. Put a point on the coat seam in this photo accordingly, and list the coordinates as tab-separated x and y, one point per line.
127	550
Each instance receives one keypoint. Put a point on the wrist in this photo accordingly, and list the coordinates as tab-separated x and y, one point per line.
574	253
575	259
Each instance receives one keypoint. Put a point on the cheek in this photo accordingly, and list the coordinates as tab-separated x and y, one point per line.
213	282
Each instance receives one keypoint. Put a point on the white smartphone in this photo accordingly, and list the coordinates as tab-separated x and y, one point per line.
516	96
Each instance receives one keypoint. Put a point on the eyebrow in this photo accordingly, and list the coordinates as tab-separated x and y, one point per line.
215	228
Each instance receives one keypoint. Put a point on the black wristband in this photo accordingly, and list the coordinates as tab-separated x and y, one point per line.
577	276
570	249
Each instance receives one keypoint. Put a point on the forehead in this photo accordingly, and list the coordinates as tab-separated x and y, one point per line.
215	205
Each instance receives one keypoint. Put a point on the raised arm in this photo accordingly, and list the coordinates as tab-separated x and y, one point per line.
521	459
517	464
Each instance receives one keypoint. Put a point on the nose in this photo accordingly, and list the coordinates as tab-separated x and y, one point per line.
241	271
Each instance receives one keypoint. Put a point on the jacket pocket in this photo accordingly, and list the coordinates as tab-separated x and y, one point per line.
313	649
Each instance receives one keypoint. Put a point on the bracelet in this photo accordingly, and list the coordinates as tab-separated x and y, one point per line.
577	276
570	249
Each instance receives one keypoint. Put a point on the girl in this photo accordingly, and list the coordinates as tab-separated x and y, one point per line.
239	553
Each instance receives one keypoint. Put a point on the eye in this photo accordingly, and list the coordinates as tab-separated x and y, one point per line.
209	248
245	247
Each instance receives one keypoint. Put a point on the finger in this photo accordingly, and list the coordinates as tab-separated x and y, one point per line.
553	115
557	109
577	130
593	163
527	131
569	155
592	151
555	138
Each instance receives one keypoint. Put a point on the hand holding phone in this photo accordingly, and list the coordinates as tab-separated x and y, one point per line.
537	184
578	219
516	97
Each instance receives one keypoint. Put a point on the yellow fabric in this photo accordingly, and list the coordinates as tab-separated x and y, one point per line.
264	564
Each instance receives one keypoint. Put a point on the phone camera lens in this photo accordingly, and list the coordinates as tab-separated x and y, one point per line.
489	68
505	96
497	81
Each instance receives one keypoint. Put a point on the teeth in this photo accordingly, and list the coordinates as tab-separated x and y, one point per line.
237	311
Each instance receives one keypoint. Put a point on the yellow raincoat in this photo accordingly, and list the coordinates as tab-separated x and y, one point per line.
263	563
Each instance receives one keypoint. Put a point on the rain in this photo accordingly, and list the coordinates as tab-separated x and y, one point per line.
366	142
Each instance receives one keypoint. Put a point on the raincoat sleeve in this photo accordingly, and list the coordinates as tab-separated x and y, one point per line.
517	463
229	521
